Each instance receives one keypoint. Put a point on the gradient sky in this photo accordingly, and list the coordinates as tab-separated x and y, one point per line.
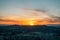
13	7
20	12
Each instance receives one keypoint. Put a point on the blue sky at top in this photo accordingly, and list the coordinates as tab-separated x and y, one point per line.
50	5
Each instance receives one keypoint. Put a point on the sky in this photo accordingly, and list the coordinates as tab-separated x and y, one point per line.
15	9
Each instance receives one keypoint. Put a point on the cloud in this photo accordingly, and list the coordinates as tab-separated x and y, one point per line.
39	10
4	20
55	18
52	18
38	13
34	12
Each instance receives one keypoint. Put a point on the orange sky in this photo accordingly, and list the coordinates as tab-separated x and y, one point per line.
27	22
33	18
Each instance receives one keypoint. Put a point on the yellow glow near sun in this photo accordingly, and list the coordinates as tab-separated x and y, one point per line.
31	24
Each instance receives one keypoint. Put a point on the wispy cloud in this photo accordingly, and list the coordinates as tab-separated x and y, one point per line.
4	20
43	17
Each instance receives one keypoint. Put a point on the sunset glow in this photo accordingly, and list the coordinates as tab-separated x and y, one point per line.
30	12
31	22
28	22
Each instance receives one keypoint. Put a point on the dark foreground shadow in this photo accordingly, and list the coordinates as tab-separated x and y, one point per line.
16	32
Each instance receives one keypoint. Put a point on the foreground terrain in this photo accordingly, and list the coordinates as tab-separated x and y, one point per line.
37	32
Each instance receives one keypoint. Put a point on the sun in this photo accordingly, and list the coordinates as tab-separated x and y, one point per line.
31	24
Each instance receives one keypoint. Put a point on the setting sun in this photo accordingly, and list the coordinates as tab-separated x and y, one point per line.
32	23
